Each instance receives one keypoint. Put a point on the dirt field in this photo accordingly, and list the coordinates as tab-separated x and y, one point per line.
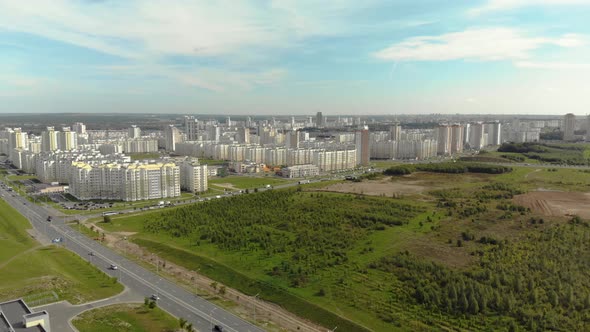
556	203
378	187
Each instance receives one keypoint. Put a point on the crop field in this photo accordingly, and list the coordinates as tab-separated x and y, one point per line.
27	269
125	318
421	251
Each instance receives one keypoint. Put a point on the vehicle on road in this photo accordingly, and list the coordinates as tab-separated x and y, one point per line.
49	219
217	328
155	297
57	240
91	253
113	267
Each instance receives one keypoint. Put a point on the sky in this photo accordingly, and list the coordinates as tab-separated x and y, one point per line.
295	57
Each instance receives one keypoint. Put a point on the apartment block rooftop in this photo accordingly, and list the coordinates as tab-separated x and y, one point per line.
16	316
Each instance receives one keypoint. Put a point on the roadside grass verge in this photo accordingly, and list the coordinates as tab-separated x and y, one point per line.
125	317
26	269
243	283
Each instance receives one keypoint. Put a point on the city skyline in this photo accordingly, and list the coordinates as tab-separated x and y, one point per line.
293	57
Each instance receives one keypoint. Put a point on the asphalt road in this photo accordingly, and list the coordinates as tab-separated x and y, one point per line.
173	298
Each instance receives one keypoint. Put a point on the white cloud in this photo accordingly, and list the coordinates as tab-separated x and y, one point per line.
480	44
501	5
552	65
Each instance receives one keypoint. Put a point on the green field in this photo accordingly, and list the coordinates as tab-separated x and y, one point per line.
552	153
247	182
125	318
27	269
456	255
144	156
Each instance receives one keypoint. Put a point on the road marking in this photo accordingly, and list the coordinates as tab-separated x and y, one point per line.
159	290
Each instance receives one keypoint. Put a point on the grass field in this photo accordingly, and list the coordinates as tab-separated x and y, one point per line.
27	268
144	156
247	182
125	318
312	252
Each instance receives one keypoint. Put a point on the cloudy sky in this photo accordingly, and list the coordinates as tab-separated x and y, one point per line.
295	56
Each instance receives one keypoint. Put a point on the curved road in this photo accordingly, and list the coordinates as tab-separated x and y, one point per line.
174	299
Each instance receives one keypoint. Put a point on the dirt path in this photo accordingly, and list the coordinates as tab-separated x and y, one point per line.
529	173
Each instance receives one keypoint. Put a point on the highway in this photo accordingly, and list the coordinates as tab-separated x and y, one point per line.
174	299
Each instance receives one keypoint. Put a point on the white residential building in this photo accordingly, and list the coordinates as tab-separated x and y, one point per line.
127	182
193	176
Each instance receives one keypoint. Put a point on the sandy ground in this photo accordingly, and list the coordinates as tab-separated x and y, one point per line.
378	187
556	203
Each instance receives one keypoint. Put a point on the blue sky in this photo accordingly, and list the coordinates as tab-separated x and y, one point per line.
295	57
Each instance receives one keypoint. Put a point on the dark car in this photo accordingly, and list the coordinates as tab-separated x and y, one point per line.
217	328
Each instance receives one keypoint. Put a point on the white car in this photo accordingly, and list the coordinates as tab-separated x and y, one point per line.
114	267
155	297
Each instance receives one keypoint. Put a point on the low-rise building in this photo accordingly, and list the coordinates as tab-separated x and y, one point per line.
16	316
300	171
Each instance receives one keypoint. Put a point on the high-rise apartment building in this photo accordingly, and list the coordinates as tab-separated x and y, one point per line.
67	140
292	139
319	120
193	176
49	141
172	135
79	128
127	182
134	132
17	139
395	131
191	127
569	126
363	151
476	136
243	135
444	135
456	139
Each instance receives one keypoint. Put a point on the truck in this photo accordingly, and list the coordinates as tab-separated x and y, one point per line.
303	181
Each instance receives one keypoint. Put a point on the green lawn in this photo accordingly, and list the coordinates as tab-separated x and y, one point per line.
125	318
143	156
27	268
247	182
20	177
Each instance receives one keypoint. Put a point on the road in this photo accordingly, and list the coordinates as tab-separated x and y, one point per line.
174	299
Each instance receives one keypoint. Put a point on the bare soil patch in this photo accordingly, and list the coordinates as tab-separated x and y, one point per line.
556	203
379	187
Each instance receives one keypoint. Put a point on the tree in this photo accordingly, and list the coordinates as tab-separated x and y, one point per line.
106	219
152	304
146	301
463	304
473	305
189	327
553	299
222	290
214	285
182	322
